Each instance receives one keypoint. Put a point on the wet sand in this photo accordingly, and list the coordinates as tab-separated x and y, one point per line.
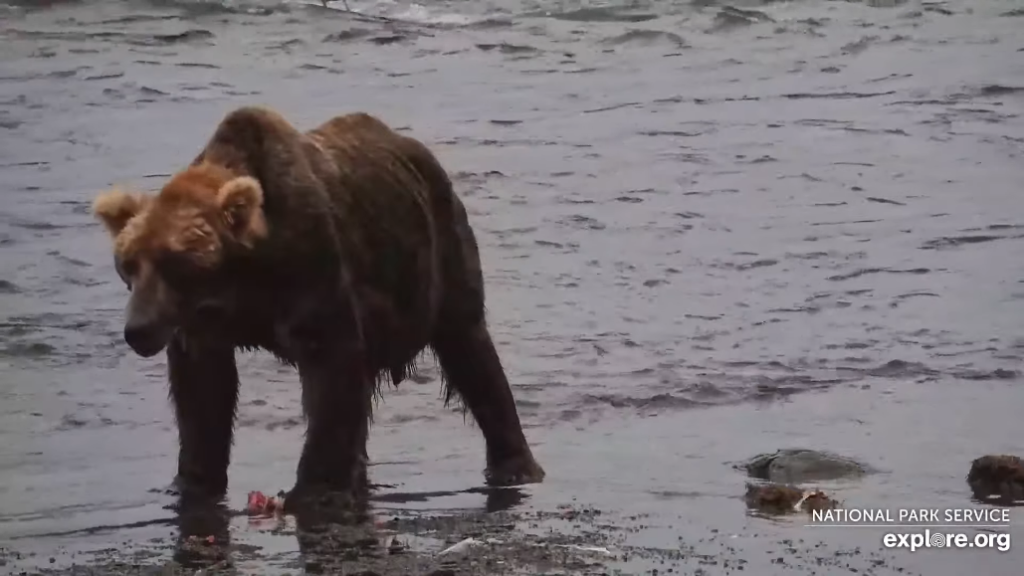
707	233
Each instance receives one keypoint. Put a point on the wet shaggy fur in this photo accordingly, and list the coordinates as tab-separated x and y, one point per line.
344	252
997	478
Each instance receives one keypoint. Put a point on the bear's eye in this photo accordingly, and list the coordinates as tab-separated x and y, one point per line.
126	269
130	267
178	269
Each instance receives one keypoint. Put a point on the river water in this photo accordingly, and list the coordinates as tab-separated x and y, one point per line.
709	230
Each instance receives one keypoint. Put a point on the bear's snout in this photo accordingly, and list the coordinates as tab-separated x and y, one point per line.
146	338
151	315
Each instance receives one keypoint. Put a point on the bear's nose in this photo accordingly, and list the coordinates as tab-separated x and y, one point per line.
145	339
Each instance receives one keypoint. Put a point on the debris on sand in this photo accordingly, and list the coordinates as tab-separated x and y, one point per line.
798	465
469	543
396	547
779	499
460	546
817	500
596	549
261	505
997	479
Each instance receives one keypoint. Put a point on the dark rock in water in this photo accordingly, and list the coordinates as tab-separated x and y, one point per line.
997	479
796	465
779	499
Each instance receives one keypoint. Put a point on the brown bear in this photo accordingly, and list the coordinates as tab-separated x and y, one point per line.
343	251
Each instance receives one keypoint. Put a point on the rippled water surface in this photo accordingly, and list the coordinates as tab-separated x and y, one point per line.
708	231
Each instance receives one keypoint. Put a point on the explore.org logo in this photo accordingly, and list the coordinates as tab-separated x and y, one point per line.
927	539
926	527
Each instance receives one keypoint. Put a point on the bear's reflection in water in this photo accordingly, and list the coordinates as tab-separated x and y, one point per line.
326	536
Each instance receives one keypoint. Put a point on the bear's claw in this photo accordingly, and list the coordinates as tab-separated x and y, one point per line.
196	491
515	471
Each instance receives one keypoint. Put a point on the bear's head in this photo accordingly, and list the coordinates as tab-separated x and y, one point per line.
173	249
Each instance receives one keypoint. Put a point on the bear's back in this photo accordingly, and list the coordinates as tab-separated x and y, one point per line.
386	192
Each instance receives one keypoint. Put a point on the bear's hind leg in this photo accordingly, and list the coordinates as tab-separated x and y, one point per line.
474	371
204	390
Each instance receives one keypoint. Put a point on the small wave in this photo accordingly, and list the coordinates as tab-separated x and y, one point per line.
582	222
836	95
879	200
137	39
743	266
997	374
999	90
348	35
719	389
899	299
200	8
595	14
682	133
138	94
657	401
489	23
136	18
26	350
422	15
270	422
78	421
899	369
854	48
729	18
648	38
957	241
865	271
905	370
192	65
506	48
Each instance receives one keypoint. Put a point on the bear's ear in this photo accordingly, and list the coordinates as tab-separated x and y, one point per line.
115	208
241	204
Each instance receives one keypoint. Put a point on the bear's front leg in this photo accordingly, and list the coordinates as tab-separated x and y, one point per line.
204	390
336	396
337	393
